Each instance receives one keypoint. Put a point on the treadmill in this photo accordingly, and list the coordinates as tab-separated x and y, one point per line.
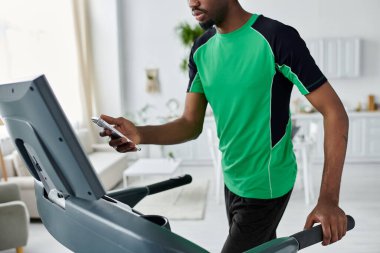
72	202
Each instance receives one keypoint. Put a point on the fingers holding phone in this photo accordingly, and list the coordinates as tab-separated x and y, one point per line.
121	145
118	129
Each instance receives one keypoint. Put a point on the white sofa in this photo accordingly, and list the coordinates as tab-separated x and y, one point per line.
14	218
107	163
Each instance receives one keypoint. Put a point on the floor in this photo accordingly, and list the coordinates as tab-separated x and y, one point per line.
360	197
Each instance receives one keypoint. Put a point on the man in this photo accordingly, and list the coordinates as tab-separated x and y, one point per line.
245	67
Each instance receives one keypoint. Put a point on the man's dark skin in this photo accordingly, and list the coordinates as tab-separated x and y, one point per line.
228	15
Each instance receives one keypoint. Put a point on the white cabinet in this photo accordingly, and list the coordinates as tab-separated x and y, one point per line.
373	136
196	152
356	142
363	139
337	57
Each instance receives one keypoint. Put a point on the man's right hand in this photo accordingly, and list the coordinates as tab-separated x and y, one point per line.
125	127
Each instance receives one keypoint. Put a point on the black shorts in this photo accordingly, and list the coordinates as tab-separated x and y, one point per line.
252	221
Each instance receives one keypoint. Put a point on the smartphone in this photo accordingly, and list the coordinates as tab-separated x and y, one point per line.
101	123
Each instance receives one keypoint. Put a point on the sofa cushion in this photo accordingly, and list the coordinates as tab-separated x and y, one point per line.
109	167
25	183
85	140
6	145
19	165
8	160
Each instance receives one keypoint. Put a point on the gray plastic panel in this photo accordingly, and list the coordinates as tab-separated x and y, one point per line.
36	122
107	226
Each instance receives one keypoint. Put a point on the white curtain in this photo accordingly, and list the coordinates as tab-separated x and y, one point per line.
86	64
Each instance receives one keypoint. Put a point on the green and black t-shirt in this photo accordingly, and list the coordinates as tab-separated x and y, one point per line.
247	77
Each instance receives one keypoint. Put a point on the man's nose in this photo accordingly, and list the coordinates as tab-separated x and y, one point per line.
193	3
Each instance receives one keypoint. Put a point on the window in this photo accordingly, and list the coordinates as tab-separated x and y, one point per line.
38	37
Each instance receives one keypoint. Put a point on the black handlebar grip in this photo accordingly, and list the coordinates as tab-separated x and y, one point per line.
169	184
314	235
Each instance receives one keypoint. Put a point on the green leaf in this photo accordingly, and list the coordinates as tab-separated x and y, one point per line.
188	34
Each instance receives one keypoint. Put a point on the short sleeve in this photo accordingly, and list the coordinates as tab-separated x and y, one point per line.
195	84
294	61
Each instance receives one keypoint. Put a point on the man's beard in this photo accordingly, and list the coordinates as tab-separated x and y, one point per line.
208	24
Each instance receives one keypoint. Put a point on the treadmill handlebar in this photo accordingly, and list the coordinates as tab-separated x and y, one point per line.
168	184
314	235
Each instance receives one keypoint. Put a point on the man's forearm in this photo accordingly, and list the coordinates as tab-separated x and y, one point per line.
335	145
177	131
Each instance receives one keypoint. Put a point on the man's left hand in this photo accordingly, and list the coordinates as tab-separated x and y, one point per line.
333	221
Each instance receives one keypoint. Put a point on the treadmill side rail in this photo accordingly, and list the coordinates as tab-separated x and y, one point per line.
280	245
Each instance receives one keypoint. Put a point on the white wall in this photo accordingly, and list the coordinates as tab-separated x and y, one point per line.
108	90
150	41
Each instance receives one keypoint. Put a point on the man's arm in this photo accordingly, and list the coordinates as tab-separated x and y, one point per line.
327	211
187	127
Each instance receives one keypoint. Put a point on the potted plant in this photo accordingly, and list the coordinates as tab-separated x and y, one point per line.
188	34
